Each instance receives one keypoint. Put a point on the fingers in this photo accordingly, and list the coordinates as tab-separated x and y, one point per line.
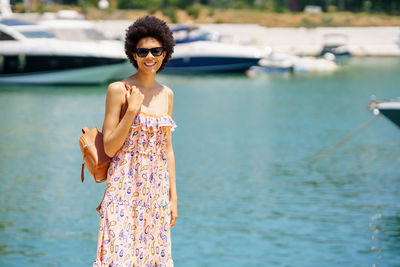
127	95
134	88
131	88
173	219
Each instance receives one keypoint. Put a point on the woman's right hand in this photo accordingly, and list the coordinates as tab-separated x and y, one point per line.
134	99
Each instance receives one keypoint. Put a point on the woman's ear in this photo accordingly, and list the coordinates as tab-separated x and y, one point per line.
134	55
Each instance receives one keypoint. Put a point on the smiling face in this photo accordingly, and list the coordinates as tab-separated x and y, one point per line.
149	63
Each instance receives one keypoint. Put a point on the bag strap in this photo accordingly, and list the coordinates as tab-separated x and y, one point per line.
125	106
82	172
84	130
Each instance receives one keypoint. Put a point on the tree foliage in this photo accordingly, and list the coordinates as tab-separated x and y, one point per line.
372	6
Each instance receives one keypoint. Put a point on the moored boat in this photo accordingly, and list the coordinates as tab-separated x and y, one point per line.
192	33
335	43
390	109
30	54
281	62
209	56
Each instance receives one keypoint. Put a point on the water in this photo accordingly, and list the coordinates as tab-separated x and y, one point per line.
248	195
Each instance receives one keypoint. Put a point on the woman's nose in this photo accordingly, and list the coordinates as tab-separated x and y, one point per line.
149	55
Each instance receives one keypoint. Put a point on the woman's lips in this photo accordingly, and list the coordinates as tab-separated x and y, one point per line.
150	64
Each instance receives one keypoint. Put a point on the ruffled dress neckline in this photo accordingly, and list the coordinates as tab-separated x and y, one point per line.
152	115
152	122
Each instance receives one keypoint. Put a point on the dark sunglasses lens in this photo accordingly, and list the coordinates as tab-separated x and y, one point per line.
157	51
142	52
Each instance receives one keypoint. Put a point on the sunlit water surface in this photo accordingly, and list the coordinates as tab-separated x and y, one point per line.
248	194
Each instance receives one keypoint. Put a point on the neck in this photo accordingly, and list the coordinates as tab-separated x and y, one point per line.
145	80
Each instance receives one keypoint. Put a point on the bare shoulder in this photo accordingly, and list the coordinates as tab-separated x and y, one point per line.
169	91
116	88
170	95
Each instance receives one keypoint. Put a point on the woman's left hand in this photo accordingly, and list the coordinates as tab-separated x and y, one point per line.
174	212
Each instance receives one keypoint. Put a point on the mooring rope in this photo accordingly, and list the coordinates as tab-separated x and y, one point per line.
344	139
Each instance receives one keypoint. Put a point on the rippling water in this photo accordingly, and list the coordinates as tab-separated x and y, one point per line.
248	194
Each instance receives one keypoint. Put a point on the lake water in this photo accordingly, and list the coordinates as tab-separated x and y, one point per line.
248	194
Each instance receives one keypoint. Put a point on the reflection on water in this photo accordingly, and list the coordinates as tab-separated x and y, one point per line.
248	195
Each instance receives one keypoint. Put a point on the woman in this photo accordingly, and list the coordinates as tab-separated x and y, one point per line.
140	200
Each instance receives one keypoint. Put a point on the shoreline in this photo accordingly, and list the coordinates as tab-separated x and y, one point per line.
359	41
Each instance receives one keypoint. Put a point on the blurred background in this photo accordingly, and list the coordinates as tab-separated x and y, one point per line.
287	144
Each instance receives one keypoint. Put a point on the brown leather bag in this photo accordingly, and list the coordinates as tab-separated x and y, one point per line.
94	156
92	147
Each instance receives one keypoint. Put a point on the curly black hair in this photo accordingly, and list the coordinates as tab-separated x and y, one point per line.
149	26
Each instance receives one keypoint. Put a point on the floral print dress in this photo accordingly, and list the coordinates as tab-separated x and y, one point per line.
134	228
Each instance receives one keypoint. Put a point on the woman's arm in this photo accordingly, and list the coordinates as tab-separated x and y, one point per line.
115	131
173	196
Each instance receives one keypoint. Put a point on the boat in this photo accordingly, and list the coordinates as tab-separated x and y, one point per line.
312	64
75	30
30	54
211	56
335	43
281	62
199	51
192	33
275	63
389	108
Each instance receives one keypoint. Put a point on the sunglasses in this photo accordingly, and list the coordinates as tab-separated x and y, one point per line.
155	51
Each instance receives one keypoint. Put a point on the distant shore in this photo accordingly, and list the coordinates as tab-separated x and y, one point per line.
382	41
360	41
262	18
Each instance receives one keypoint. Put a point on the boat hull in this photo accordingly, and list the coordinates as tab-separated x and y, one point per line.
389	109
259	69
210	64
27	63
87	75
392	114
209	56
52	61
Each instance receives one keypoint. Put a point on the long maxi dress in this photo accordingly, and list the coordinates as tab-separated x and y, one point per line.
134	228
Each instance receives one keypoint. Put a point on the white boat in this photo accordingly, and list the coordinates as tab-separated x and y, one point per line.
30	54
75	30
280	62
335	43
389	108
210	56
312	64
275	63
193	33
